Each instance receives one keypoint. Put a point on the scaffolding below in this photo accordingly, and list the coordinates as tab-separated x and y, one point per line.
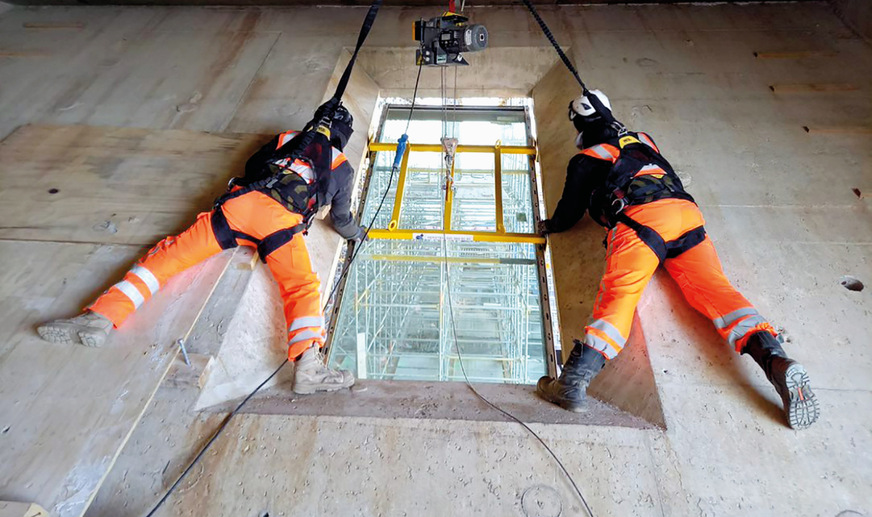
394	321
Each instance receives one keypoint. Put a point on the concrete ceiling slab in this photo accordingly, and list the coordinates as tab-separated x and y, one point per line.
404	3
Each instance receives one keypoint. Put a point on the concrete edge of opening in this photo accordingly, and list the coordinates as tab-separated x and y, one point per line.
431	401
627	381
625	393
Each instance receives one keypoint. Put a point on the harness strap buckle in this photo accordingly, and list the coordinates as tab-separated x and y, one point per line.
619	204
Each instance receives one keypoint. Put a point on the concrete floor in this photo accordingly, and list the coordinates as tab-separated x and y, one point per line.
779	205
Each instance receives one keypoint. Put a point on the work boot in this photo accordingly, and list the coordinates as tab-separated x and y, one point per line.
311	374
569	390
88	328
789	378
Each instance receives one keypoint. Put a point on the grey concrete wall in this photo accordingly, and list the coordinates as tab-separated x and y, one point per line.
857	14
778	202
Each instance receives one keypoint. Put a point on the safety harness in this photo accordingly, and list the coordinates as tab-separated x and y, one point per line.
280	172
639	175
297	181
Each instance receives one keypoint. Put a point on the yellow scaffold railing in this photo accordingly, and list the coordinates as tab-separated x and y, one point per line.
393	230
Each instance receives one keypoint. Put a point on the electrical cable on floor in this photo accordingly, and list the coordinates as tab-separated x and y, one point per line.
226	420
491	404
460	355
211	440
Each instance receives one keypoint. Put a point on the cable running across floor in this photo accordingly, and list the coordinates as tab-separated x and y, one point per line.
457	343
347	267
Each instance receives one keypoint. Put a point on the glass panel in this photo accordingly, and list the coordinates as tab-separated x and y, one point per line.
380	176
423	194
474	205
472	126
517	194
395	322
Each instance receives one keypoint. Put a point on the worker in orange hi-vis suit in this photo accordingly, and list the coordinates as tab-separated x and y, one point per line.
626	185
266	209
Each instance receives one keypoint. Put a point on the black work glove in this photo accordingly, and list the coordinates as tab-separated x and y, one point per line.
544	227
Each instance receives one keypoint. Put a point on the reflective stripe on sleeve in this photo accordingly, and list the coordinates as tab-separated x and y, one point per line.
727	320
601	345
306	335
147	278
131	292
743	327
286	137
601	152
338	158
306	321
647	139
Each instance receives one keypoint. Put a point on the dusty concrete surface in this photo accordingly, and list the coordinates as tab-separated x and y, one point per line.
778	201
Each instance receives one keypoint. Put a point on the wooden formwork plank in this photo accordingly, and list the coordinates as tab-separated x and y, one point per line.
69	409
112	185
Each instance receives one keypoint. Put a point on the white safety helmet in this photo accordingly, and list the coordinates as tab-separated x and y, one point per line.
581	107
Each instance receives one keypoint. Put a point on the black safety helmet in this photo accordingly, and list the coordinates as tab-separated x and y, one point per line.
341	127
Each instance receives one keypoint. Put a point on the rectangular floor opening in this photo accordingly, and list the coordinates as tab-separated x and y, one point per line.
461	232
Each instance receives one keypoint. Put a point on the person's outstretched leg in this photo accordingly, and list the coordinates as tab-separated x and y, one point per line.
169	257
259	216
699	274
630	263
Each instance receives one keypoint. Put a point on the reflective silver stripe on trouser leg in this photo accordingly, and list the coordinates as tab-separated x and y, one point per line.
131	292
306	334
728	319
608	329
601	345
306	321
743	327
147	278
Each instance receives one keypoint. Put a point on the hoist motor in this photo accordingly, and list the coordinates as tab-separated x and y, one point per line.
443	39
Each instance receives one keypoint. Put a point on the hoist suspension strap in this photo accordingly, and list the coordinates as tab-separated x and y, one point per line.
553	41
322	116
364	32
593	99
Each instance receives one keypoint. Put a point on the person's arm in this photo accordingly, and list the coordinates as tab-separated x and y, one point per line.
576	194
340	210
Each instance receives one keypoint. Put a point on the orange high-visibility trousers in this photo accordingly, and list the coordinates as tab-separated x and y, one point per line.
256	215
630	264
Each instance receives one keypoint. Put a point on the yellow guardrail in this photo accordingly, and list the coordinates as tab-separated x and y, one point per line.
500	235
456	236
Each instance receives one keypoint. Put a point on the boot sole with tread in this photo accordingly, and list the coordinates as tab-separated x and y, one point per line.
801	407
69	334
309	390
